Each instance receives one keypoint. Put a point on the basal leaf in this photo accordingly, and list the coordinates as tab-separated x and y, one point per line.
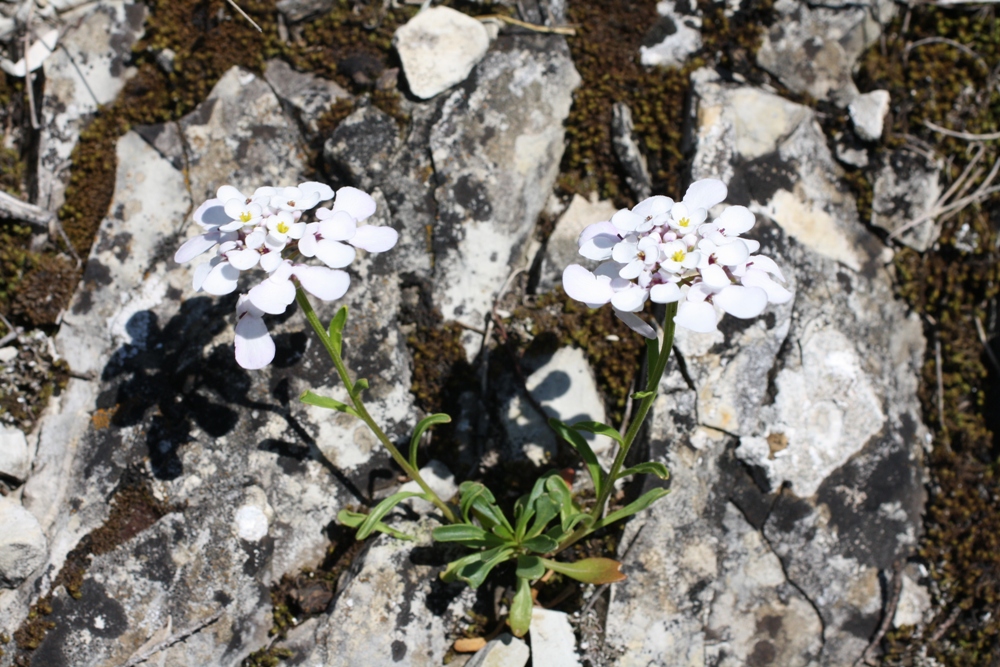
588	570
567	433
520	608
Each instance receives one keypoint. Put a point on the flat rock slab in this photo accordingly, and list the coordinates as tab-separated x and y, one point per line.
438	48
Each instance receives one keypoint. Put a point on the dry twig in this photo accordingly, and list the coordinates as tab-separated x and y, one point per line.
558	30
968	136
986	344
175	638
890	613
245	15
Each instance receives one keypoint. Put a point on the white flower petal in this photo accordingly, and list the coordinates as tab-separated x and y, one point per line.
270	261
335	254
272	296
254	347
624	251
636	324
321	282
336	226
697	316
665	293
732	254
632	269
227	192
596	229
221	279
583	285
325	191
374	238
736	220
599	247
243	260
211	214
630	300
358	204
715	276
195	246
307	244
201	272
775	292
742	302
705	193
767	264
626	220
653	206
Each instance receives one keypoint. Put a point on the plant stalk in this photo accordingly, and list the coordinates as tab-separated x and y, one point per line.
652	384
359	406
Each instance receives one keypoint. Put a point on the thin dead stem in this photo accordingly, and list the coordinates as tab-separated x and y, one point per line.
557	30
245	15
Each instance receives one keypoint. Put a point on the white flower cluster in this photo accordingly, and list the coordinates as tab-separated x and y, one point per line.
266	229
666	252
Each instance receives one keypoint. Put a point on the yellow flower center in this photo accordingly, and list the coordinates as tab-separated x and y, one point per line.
679	255
245	216
684	222
283	228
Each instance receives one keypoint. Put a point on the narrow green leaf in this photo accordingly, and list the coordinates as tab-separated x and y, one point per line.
520	608
503	532
475	573
580	517
652	353
468	492
336	329
598	428
310	398
588	570
530	567
640	395
422	426
644	501
451	571
560	494
545	510
383	508
567	433
541	544
359	386
649	468
459	532
523	511
355	519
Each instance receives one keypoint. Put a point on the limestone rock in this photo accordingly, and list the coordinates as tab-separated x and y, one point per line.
674	36
307	95
362	146
914	598
298	10
628	153
438	48
496	151
813	49
565	388
907	187
562	249
868	114
15	458
553	642
380	617
22	543
87	71
504	651
772	560
249	472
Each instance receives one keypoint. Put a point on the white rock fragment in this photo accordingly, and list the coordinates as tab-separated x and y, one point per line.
566	389
15	460
562	248
7	354
438	477
553	642
504	651
438	48
681	37
22	544
914	599
37	53
868	114
251	523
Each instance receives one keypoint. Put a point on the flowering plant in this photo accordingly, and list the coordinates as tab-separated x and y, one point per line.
661	251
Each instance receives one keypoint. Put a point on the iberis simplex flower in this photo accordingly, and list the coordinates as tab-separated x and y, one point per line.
666	251
266	230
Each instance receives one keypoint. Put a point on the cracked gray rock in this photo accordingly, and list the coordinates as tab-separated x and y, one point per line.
87	70
906	189
796	450
496	152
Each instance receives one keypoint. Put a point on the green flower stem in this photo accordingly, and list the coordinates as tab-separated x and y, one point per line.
652	384
359	406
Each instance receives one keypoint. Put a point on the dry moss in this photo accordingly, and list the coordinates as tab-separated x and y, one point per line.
952	285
